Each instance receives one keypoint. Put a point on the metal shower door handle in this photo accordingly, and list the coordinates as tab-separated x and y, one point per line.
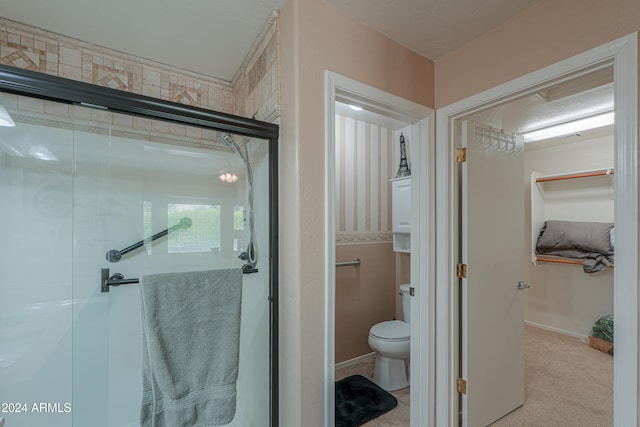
522	285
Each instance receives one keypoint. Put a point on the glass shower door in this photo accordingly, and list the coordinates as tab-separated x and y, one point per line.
78	182
36	298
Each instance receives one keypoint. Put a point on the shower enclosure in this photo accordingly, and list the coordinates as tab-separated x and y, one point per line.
99	187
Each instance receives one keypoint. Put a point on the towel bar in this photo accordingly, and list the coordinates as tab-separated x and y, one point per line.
117	279
356	261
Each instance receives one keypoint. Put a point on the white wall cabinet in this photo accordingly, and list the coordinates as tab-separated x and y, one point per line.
401	214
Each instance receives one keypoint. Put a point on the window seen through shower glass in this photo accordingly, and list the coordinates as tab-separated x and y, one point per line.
204	233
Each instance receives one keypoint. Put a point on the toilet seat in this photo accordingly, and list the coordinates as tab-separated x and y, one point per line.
392	330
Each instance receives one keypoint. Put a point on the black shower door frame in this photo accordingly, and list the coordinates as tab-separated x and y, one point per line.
53	88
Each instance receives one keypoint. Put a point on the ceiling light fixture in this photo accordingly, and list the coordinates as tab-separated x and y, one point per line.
5	118
228	177
570	128
355	107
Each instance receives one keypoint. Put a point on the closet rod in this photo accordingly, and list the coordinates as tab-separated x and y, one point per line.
576	175
561	261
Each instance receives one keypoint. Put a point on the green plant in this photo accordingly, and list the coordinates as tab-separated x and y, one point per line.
603	328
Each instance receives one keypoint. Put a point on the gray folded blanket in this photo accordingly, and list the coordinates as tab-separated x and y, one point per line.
191	341
583	240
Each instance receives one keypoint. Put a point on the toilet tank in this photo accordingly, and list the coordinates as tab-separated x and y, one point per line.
406	302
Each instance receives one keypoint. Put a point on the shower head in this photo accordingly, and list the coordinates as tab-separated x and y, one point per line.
225	139
228	140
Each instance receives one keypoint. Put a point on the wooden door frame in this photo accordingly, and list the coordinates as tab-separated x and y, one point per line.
623	54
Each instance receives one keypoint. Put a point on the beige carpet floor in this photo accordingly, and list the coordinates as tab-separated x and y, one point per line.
567	383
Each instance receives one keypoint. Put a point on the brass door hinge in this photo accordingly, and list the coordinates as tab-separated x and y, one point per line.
461	386
461	155
461	271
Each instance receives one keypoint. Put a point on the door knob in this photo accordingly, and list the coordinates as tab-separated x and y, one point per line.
522	285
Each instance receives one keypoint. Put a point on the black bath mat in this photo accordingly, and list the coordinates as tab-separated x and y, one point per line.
359	400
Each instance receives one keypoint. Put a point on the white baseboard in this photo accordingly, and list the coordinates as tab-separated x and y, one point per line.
558	330
355	360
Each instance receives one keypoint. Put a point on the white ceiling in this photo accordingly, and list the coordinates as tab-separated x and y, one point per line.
213	37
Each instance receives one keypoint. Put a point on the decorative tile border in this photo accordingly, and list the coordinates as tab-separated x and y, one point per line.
24	57
184	94
363	237
256	86
112	77
254	91
34	49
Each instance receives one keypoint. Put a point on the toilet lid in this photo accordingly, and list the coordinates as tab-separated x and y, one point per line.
393	330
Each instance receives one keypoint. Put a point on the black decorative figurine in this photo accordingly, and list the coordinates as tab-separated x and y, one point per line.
403	169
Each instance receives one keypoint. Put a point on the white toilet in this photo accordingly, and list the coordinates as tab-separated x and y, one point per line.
392	343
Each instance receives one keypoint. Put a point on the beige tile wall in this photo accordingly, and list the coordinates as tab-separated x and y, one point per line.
253	92
256	86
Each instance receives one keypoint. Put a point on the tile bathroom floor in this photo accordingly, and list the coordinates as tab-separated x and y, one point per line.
398	416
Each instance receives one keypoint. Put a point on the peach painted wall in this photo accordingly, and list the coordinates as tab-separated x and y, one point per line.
314	38
546	33
365	295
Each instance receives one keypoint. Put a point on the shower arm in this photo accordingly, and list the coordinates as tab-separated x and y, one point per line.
114	255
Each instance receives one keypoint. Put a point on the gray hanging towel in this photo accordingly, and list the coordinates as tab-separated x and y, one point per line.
190	347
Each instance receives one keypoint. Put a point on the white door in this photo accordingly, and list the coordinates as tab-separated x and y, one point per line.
492	322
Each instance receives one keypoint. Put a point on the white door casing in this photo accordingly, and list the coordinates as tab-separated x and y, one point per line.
623	54
422	242
492	222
